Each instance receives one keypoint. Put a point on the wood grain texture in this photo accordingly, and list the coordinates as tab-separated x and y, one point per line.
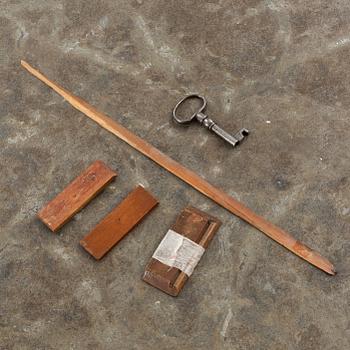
76	195
198	227
191	178
120	221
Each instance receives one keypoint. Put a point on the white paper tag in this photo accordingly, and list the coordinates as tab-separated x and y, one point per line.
178	251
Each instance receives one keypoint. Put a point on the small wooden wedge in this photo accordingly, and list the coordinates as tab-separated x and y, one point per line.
76	195
119	222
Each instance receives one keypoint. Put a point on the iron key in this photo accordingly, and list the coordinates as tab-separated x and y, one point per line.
207	122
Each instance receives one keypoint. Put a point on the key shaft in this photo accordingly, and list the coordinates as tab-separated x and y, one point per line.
211	125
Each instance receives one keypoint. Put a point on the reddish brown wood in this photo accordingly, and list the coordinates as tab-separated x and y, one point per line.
119	222
76	195
216	194
198	227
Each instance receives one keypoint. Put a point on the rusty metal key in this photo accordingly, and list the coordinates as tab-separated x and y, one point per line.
204	120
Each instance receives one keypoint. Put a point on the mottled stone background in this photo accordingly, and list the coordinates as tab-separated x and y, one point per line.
279	68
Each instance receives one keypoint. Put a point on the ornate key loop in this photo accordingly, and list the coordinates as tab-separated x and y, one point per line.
207	122
185	120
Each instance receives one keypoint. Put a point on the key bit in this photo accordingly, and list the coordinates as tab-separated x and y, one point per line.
207	122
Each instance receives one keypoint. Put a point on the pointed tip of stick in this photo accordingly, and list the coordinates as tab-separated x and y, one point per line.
332	271
313	257
26	65
326	265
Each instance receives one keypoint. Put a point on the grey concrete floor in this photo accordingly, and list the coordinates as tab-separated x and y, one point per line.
279	68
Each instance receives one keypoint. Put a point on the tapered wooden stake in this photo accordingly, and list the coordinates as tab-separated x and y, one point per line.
217	195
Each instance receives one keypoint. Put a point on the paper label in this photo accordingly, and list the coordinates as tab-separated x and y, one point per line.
178	251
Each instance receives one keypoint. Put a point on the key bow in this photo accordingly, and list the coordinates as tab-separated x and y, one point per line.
206	121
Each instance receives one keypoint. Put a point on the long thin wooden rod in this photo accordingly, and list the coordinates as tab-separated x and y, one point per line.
217	195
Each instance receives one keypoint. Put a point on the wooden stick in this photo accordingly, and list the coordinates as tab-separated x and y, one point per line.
217	195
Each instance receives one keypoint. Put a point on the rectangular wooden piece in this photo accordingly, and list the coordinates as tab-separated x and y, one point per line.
198	227
119	222
76	195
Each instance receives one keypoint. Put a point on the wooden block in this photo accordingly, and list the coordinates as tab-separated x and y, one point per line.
76	195
193	224
119	222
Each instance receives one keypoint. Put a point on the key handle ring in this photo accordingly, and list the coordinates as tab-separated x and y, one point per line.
187	120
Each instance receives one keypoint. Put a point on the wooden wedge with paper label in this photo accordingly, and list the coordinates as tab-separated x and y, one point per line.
180	250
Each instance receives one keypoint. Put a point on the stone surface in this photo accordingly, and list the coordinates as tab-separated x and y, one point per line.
278	68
